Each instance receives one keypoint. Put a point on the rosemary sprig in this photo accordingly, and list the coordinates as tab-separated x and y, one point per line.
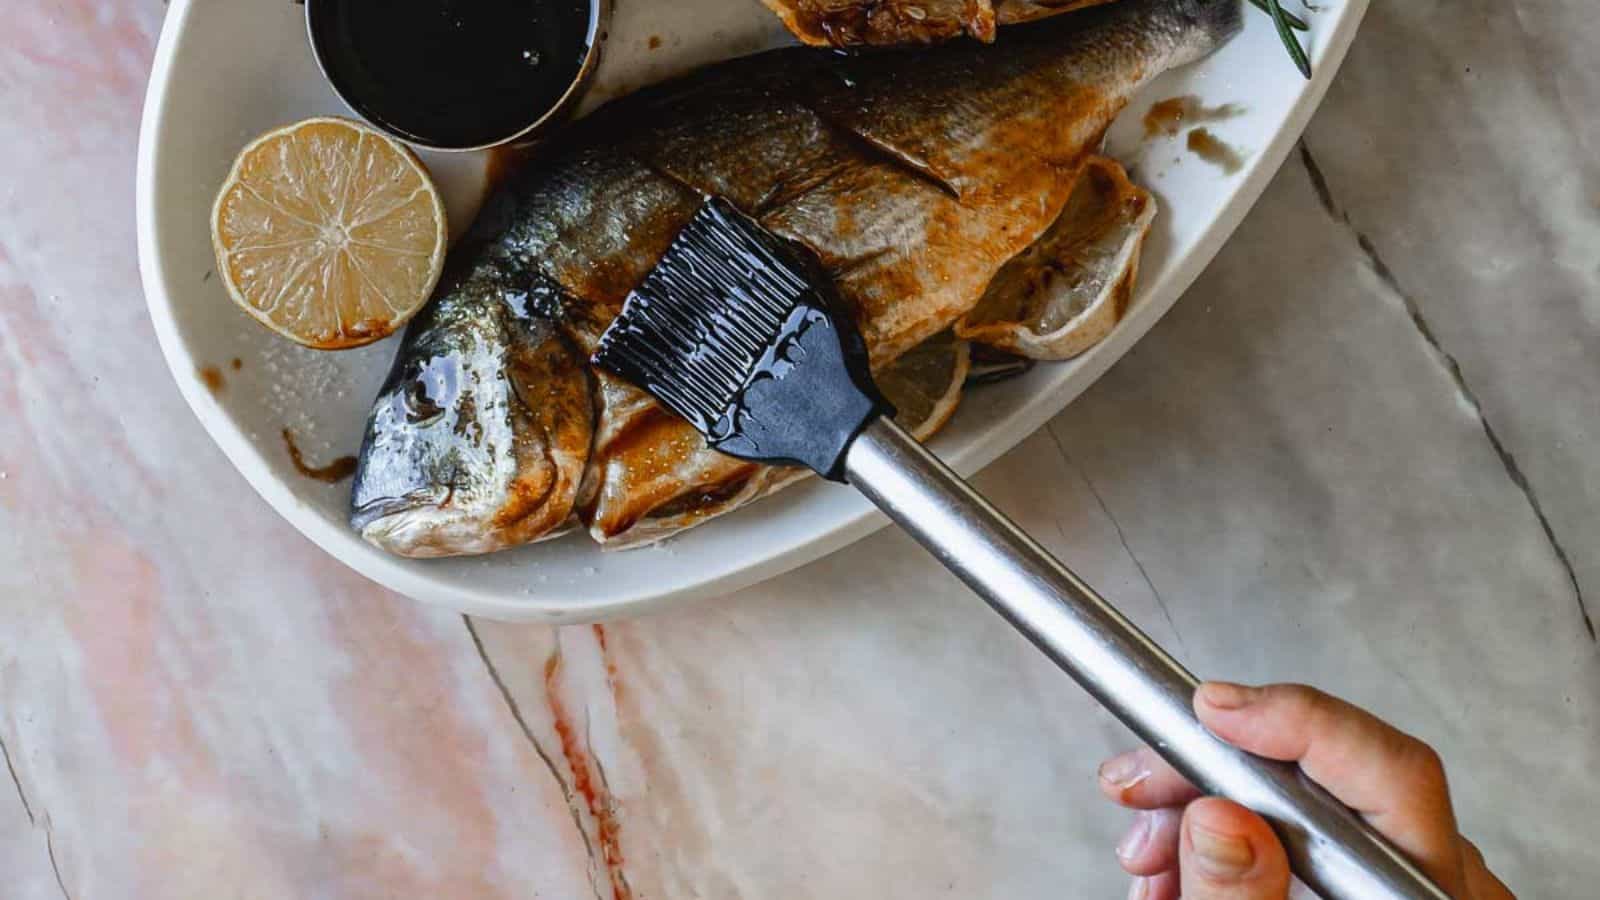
1286	34
1295	22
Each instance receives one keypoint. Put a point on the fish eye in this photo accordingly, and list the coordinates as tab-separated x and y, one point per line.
429	391
419	407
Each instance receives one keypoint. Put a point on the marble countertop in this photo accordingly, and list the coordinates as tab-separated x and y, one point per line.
1362	452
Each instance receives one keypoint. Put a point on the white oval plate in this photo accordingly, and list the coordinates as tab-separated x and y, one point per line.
227	70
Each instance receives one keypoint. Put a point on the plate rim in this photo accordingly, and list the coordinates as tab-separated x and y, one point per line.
553	605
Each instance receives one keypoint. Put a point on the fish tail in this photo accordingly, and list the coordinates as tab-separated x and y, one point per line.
1206	25
1218	20
1179	31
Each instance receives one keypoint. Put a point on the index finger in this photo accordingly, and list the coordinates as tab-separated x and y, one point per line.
1392	779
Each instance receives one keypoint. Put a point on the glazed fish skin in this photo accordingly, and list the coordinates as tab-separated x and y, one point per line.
913	176
850	23
478	439
882	23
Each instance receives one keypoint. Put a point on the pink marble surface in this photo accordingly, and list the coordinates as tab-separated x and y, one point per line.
1292	478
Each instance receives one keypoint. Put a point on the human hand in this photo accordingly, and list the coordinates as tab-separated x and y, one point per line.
1208	848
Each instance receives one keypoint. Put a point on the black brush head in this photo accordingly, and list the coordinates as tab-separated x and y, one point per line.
735	330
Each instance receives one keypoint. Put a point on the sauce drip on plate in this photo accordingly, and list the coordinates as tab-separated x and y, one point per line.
332	473
1204	144
1169	116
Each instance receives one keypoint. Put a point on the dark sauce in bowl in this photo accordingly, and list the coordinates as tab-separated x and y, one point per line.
454	74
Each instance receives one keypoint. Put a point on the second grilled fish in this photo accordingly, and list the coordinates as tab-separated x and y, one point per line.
913	176
851	23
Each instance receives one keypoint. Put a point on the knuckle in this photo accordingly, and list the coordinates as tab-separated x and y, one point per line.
1424	761
1302	701
1303	695
1425	757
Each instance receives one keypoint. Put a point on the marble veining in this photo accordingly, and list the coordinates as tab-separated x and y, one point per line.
1362	452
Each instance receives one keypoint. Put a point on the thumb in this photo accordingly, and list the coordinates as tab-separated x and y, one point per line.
1227	852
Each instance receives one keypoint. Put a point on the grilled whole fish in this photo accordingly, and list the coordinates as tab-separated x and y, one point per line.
853	23
913	176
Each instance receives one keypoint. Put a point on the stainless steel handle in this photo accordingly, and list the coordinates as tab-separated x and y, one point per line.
1330	848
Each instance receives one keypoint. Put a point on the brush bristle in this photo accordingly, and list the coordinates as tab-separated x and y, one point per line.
694	332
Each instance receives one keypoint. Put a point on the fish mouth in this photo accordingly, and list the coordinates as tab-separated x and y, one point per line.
426	524
383	507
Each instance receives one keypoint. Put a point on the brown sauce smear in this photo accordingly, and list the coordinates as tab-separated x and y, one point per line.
1204	144
1171	115
236	364
211	376
503	162
700	500
332	473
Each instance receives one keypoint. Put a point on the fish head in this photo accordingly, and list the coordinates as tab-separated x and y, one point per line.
478	439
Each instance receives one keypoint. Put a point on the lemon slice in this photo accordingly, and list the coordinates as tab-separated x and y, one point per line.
1064	294
329	233
925	383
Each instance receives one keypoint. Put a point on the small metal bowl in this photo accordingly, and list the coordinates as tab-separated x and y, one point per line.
320	22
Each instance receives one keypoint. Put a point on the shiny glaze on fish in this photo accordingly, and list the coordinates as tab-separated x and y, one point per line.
478	438
913	176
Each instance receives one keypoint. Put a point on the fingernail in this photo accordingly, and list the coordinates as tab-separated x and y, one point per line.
1227	695
1221	856
1133	843
1124	771
1140	888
